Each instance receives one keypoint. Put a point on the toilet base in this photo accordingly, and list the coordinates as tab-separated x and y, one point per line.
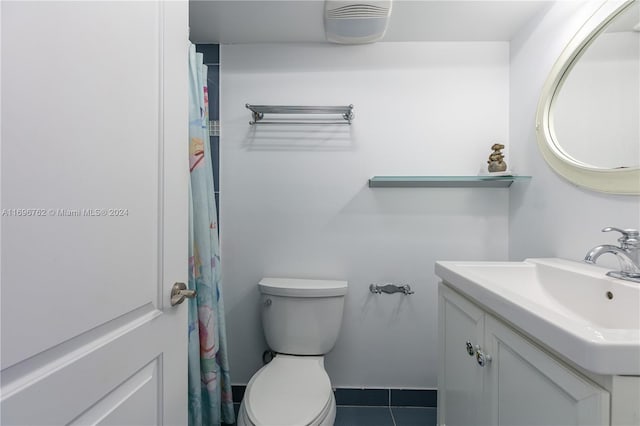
324	420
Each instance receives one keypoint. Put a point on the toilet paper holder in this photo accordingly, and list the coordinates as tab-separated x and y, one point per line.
390	289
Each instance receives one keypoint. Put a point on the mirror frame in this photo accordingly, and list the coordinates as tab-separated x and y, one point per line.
614	181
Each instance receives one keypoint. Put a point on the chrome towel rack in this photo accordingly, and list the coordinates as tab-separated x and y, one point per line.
313	114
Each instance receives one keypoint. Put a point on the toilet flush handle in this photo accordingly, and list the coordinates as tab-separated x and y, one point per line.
267	302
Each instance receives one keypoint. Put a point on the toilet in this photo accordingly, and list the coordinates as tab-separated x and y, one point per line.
301	320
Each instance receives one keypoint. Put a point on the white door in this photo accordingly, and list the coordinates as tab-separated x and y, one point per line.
94	212
460	381
528	387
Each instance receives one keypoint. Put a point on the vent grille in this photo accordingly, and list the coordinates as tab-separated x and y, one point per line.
354	11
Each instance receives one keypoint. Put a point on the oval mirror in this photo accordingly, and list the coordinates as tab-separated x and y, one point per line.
588	119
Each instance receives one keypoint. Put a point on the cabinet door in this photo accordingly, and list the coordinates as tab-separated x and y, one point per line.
459	377
526	386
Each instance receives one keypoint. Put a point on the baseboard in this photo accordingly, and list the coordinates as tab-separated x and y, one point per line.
372	397
387	397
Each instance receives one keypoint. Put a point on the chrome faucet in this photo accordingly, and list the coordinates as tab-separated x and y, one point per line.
628	254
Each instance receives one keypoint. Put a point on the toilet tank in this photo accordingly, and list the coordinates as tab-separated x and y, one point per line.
301	316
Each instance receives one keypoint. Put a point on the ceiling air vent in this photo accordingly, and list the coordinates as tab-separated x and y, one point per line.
356	22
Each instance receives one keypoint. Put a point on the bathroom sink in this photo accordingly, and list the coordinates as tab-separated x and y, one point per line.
571	307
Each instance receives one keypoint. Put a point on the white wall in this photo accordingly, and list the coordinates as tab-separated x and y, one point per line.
550	216
295	201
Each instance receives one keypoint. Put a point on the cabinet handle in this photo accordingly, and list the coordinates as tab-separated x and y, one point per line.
470	349
482	358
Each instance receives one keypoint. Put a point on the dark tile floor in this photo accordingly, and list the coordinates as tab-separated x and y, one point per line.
385	416
382	416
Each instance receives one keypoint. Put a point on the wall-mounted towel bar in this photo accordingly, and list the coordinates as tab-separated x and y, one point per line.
301	114
390	289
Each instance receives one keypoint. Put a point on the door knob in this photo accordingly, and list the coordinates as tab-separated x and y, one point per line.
179	292
470	349
482	358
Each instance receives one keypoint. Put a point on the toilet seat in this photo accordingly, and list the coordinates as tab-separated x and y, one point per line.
290	391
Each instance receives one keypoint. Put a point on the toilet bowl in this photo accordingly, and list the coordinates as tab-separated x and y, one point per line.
301	320
289	391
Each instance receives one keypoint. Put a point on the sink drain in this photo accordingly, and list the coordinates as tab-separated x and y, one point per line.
609	295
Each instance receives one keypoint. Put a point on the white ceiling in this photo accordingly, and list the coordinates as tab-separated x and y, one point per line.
286	21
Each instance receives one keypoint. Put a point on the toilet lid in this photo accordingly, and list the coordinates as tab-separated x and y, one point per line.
289	391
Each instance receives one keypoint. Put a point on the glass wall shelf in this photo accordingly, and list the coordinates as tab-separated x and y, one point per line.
485	181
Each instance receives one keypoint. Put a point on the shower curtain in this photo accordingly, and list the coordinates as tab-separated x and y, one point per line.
210	401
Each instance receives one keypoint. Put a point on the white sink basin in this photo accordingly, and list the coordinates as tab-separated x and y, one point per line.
571	307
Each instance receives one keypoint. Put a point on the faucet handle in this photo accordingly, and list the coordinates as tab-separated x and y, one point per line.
629	236
626	233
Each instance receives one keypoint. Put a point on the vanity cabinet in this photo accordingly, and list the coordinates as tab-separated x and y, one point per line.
489	374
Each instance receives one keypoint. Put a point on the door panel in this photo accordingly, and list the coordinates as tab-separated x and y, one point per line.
459	395
81	127
94	212
132	402
528	387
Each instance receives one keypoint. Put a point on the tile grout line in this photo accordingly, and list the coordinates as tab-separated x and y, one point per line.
362	406
393	419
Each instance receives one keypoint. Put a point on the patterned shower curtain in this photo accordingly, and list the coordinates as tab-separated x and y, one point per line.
210	401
